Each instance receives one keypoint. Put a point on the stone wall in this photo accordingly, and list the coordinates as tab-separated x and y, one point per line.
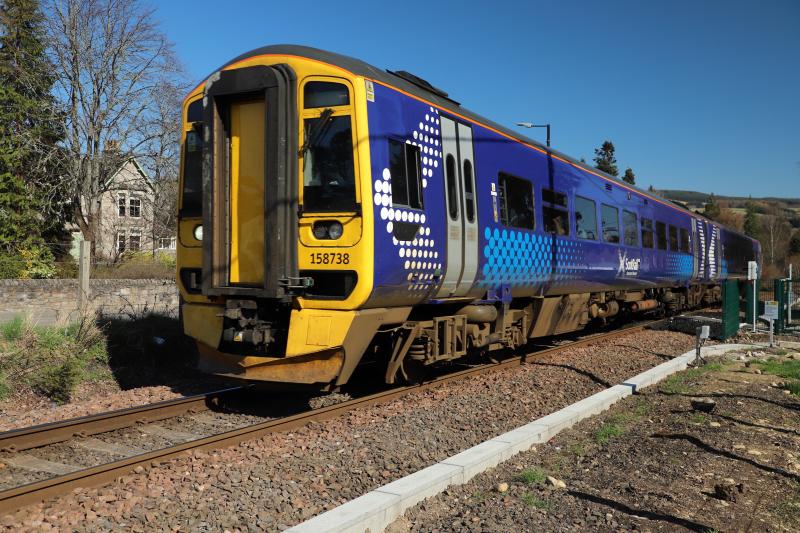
48	301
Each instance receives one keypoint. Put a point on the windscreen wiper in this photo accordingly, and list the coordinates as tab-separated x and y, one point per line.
316	131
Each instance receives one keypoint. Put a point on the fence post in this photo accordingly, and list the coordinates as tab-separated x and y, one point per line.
84	264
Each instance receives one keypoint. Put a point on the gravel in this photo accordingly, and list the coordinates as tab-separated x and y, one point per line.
282	479
664	467
28	410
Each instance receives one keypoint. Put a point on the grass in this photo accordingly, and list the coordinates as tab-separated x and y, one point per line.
532	501
697	418
680	383
607	432
531	476
479	496
785	369
578	449
51	361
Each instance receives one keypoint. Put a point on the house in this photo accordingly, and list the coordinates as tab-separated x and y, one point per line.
126	221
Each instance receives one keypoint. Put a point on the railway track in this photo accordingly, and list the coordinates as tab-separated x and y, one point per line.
14	442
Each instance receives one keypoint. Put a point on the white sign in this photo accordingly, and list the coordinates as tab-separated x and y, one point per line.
770	310
752	270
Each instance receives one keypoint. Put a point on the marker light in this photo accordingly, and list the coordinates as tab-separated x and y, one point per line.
198	232
327	230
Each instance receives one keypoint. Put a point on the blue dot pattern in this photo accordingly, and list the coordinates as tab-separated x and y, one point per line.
526	259
680	266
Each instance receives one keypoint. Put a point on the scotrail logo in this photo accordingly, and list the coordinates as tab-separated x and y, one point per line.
628	267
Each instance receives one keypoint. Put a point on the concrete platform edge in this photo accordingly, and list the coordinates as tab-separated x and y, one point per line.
377	509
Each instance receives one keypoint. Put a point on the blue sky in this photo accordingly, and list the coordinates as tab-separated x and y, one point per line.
701	95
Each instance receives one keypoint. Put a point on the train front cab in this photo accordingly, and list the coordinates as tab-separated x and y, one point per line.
275	251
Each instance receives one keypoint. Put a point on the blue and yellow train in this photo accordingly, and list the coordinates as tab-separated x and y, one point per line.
332	212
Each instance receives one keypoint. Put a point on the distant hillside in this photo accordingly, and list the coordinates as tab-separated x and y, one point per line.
695	198
735	206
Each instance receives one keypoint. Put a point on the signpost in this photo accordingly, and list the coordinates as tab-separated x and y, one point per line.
752	275
770	315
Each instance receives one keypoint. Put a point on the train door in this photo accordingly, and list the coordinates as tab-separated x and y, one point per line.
695	250
247	192
701	253
461	209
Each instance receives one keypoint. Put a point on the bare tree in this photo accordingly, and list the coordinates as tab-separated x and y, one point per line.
776	232
112	64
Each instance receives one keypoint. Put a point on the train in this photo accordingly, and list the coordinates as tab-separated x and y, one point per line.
332	213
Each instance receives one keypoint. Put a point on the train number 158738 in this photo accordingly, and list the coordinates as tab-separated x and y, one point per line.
330	258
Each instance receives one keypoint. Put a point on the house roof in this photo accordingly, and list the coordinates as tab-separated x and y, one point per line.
137	167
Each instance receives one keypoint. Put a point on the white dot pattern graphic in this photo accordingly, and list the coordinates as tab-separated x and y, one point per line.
419	257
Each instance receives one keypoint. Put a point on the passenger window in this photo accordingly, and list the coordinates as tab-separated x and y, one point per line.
404	167
673	238
452	186
585	218
553	197
661	235
684	234
469	193
630	231
647	233
610	220
556	216
516	201
325	94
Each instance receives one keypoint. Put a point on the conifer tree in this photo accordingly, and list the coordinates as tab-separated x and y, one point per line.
751	225
629	176
604	158
712	209
29	124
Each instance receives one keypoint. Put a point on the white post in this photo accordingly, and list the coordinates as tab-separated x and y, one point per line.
770	332
84	264
755	304
791	296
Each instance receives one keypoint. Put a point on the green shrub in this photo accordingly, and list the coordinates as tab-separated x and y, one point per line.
28	261
138	265
51	361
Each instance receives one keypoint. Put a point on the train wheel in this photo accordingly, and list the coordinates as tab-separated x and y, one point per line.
412	372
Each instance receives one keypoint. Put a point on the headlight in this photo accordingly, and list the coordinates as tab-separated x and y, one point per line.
335	230
198	232
327	230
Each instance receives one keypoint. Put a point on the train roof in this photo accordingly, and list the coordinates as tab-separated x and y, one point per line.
422	89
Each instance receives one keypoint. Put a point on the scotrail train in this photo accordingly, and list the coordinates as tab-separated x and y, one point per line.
332	212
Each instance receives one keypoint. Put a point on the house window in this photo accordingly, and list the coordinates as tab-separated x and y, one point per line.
121	204
120	242
610	220
585	218
166	243
647	233
135	240
405	168
516	201
134	207
630	233
661	235
555	215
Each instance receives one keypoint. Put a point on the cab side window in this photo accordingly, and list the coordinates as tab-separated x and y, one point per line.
405	170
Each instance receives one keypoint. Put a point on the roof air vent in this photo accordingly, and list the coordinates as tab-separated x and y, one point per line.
419	82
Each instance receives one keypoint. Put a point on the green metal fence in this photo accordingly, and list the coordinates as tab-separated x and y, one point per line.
737	297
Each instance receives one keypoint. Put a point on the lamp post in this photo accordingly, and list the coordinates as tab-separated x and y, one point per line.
532	125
